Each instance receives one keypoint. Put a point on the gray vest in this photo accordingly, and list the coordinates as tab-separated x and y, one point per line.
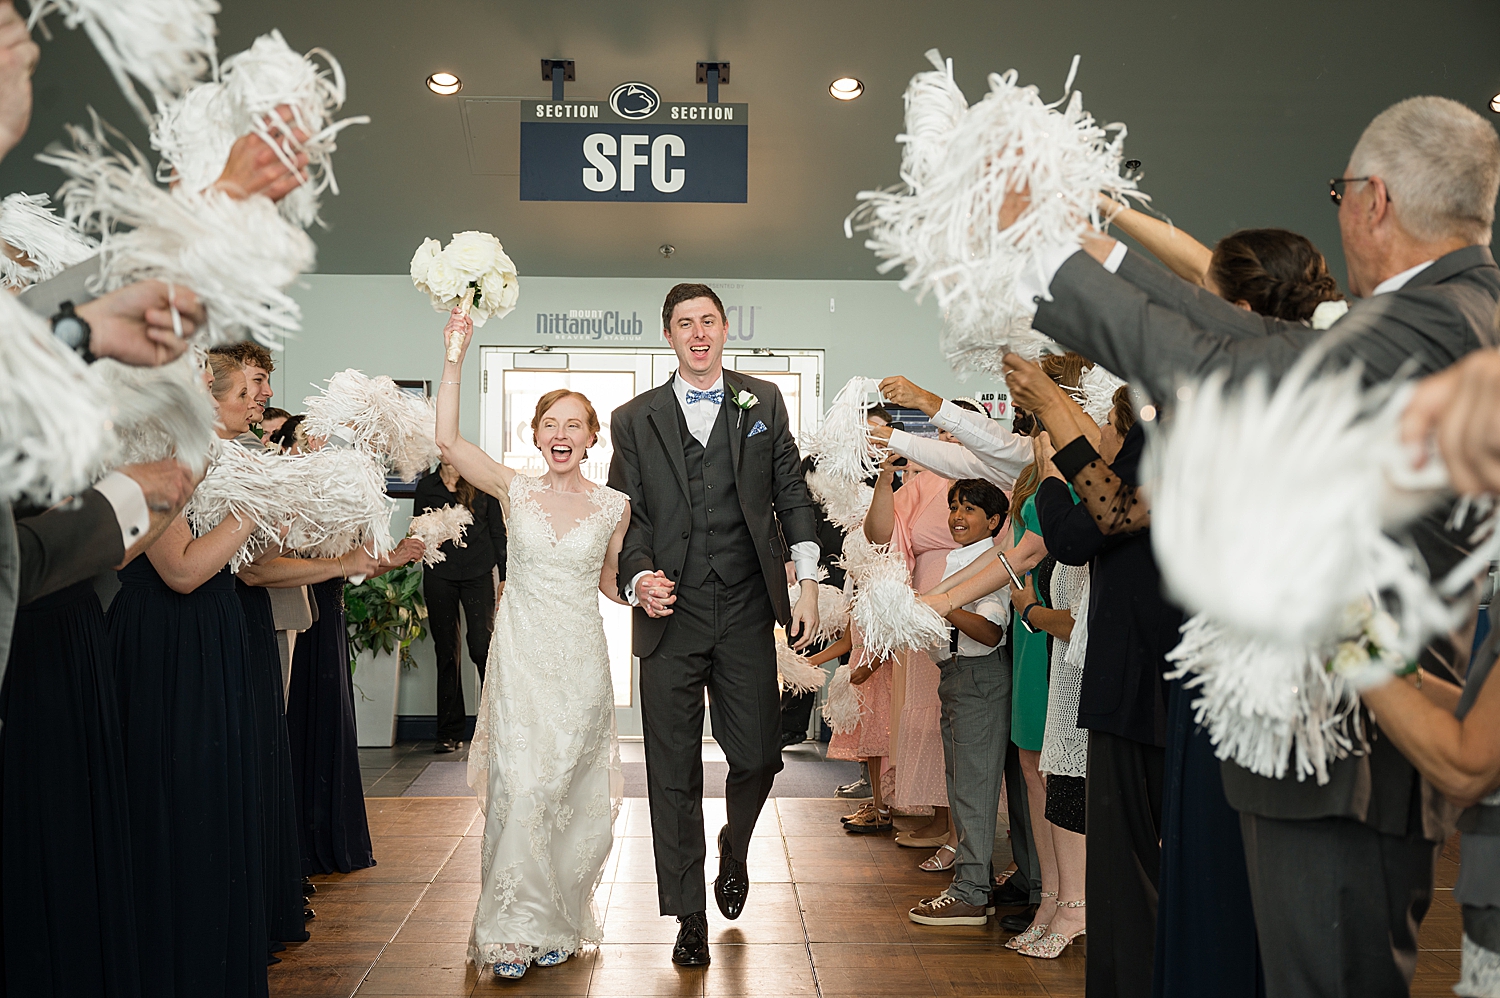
720	541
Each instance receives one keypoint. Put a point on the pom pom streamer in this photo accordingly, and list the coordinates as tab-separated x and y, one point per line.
395	426
833	611
797	674
159	412
51	244
844	502
842	443
237	256
54	420
1095	393
435	527
165	45
860	556
888	614
327	502
844	704
196	132
958	163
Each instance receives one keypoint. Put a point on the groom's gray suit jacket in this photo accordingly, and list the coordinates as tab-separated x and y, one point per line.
650	466
1150	326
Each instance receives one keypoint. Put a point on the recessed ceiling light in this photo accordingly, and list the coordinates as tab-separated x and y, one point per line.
1495	103
444	83
846	88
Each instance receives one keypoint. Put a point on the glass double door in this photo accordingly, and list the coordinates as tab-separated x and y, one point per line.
515	378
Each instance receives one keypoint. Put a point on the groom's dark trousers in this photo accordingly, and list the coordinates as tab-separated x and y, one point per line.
708	516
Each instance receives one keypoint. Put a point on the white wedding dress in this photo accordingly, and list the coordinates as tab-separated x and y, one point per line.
544	762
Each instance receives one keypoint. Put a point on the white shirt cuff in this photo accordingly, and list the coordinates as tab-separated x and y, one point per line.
129	502
630	589
1034	280
947	417
805	559
1112	262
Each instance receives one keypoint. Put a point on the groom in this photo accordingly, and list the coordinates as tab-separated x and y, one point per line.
711	468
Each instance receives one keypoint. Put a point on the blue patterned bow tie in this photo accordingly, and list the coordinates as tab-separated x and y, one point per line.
714	395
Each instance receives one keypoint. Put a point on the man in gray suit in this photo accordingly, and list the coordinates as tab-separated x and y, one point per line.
1341	874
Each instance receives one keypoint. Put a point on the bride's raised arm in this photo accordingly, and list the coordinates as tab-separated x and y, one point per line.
482	471
609	583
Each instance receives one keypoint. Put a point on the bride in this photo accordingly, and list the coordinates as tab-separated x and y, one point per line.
543	761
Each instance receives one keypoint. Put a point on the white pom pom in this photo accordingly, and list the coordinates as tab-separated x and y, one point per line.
842	443
1095	393
159	412
833	611
860	556
796	673
166	45
328	502
54	420
51	244
1309	465
237	256
845	502
395	426
936	224
437	526
888	614
195	134
845	701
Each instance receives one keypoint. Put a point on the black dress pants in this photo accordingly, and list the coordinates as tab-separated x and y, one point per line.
444	597
1124	838
719	637
1028	875
1337	905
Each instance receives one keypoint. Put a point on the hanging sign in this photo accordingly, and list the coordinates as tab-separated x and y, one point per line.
633	146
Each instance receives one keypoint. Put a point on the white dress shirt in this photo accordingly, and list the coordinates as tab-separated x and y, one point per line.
125	496
701	416
1398	281
994	607
1035	282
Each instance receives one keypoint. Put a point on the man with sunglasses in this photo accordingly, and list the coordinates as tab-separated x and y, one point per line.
1340	874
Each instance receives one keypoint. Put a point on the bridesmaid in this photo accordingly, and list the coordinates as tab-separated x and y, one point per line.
68	918
914	521
191	765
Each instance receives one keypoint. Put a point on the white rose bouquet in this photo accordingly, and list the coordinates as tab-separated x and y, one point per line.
472	272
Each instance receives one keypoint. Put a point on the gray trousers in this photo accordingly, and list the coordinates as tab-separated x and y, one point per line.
721	638
1337	905
975	697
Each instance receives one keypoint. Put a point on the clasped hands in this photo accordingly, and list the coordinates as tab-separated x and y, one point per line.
654	594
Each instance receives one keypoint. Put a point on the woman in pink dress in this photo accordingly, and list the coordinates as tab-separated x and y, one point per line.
914	521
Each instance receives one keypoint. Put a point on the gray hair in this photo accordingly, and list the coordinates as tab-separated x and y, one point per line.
1441	163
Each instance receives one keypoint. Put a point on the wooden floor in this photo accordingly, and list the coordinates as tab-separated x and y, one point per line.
826	916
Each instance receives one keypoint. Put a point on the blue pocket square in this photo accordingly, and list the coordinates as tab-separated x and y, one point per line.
759	427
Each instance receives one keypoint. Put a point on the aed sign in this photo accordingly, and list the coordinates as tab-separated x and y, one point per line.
633	146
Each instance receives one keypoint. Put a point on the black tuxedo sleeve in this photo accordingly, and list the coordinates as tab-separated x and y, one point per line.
789	495
637	553
67	545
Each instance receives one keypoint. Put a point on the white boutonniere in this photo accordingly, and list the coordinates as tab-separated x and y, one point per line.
746	400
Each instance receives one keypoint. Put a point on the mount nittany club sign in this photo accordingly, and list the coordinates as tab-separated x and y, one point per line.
633	146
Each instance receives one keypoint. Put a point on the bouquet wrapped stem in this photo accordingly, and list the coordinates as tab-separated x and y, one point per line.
456	339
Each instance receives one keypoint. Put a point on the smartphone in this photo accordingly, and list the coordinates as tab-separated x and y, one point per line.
1019	585
900	462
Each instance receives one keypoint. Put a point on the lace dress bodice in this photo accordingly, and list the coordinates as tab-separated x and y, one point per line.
543	761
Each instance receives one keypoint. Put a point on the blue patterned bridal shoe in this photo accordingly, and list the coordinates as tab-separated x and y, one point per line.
511	970
552	959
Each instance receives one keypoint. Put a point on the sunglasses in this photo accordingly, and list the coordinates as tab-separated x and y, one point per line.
1336	185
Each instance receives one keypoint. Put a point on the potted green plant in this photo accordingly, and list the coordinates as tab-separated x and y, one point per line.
384	616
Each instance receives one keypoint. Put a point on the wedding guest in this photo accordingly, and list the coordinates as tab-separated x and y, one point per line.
286	436
257	363
271	420
975	691
970	445
914	521
797	708
466	578
191	765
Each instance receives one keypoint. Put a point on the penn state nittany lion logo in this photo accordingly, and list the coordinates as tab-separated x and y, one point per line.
634	100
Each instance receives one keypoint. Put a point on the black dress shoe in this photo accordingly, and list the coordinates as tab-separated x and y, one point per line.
789	738
1020	921
308	914
445	745
308	888
1008	895
732	885
691	948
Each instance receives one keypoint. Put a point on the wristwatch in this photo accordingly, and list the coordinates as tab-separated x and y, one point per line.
73	331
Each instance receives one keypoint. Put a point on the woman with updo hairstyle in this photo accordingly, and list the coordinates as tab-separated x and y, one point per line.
1272	272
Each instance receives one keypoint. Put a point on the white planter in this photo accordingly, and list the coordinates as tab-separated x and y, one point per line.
377	678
